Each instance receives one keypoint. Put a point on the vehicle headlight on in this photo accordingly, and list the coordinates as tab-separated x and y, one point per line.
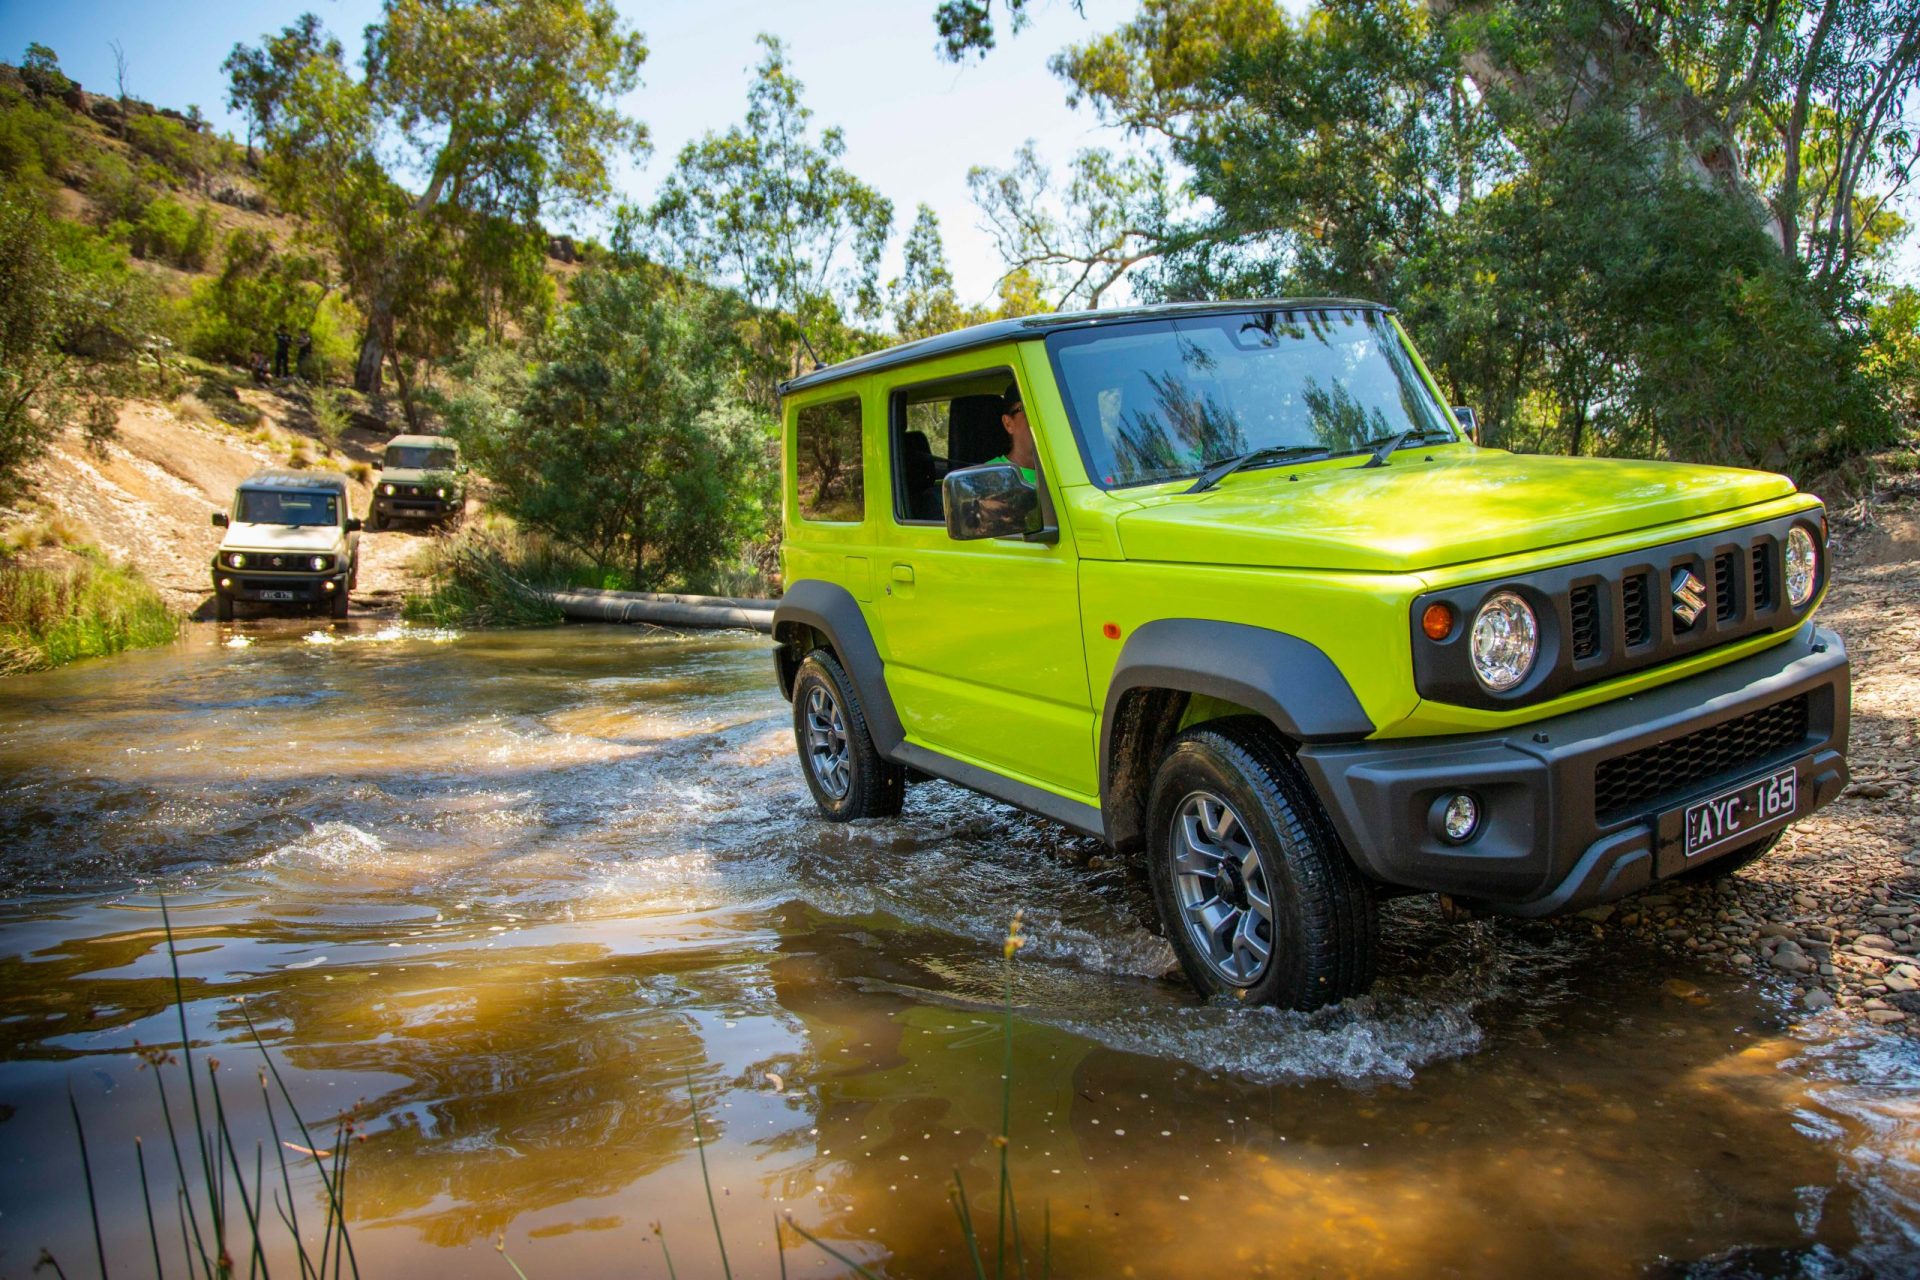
387	489
441	492
321	562
1506	640
1803	566
236	560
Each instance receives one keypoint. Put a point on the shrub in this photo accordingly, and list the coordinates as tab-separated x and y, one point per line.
40	70
484	578
53	616
330	416
36	146
179	150
232	316
170	232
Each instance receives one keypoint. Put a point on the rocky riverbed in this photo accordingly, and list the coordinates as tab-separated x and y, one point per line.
1834	910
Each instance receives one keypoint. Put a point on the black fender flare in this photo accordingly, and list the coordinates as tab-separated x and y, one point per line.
831	610
1290	681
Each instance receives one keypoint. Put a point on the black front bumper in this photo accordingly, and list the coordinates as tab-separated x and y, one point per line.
1586	807
403	507
281	588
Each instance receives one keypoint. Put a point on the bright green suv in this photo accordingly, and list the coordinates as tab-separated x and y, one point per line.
1268	620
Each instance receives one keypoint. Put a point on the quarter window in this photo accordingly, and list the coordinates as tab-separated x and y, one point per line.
942	427
827	466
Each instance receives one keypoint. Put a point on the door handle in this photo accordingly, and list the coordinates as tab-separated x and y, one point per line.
903	573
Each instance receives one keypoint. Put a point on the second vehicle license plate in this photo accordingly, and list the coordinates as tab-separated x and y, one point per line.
276	595
1732	814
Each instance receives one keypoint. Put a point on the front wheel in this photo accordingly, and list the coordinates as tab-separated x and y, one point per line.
845	771
222	607
1258	898
340	603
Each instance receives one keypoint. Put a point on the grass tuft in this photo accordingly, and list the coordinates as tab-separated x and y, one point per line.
52	616
487	579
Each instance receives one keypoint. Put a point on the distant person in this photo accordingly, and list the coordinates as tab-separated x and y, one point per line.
282	344
303	361
257	366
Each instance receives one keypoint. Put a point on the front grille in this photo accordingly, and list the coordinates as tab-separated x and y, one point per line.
1631	784
1636	609
1585	607
1762	577
1724	602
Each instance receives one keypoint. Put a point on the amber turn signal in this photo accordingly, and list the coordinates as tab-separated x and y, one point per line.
1111	631
1437	621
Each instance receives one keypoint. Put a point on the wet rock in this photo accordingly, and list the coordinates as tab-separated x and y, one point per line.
1872	942
1790	959
1599	915
1885	1016
1772	930
1897	981
1815	1000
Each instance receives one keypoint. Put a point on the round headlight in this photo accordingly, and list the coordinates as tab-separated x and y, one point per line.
1803	566
387	489
1506	639
237	560
319	562
441	492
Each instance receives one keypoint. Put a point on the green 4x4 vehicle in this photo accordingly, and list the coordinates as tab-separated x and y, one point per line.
421	478
1265	617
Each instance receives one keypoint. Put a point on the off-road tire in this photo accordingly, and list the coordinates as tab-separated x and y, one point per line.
1728	863
1324	926
341	602
372	523
222	607
873	787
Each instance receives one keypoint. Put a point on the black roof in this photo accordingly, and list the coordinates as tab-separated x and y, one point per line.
280	479
1031	327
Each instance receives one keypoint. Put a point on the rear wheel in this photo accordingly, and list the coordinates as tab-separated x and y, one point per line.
1257	896
845	771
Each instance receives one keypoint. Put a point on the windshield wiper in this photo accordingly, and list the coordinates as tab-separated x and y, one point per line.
1219	471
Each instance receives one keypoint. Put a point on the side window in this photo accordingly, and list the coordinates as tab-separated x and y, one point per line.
827	466
939	427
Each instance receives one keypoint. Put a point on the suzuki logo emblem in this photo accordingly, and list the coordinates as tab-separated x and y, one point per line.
1689	596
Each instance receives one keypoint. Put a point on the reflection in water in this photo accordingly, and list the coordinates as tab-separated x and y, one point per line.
504	898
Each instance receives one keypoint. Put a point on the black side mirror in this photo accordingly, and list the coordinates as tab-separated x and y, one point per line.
219	519
990	502
353	524
380	466
1468	419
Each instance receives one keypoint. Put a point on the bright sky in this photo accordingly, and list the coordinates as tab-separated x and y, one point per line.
914	123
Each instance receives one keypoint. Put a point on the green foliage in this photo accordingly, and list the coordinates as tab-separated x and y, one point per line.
922	299
184	153
36	145
766	209
233	316
49	617
170	232
1552	193
628	441
1893	353
40	69
482	578
505	108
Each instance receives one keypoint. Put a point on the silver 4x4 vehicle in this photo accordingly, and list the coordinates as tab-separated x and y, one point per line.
289	540
421	478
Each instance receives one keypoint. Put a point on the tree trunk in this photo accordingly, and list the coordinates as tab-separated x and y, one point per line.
373	348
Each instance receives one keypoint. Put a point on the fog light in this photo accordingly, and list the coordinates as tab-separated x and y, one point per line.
327	585
1460	819
225	583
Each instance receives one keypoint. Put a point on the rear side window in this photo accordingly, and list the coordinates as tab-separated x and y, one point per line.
827	464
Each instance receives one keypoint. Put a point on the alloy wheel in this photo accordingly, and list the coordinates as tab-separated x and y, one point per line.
1225	893
827	748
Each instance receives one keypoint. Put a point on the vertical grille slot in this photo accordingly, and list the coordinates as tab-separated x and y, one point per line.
1585	607
1725	600
1636	610
1762	577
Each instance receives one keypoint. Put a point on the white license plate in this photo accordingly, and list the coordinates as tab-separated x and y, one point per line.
1736	813
276	595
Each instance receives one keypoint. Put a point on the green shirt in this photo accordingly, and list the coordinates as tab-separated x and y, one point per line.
1028	474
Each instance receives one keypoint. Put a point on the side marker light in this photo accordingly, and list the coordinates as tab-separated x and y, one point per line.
1436	621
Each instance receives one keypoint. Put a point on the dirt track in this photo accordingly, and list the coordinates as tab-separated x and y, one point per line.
147	498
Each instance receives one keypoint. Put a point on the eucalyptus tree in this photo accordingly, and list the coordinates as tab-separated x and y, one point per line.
469	121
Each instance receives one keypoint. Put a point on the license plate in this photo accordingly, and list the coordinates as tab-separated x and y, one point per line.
276	595
1732	814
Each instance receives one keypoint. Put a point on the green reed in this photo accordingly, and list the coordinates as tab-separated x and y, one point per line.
204	1217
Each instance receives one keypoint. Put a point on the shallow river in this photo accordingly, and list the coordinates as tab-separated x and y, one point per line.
506	898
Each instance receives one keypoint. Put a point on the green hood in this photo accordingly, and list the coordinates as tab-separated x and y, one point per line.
1466	504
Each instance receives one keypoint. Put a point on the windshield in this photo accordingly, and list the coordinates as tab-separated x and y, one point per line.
288	506
1164	399
415	457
